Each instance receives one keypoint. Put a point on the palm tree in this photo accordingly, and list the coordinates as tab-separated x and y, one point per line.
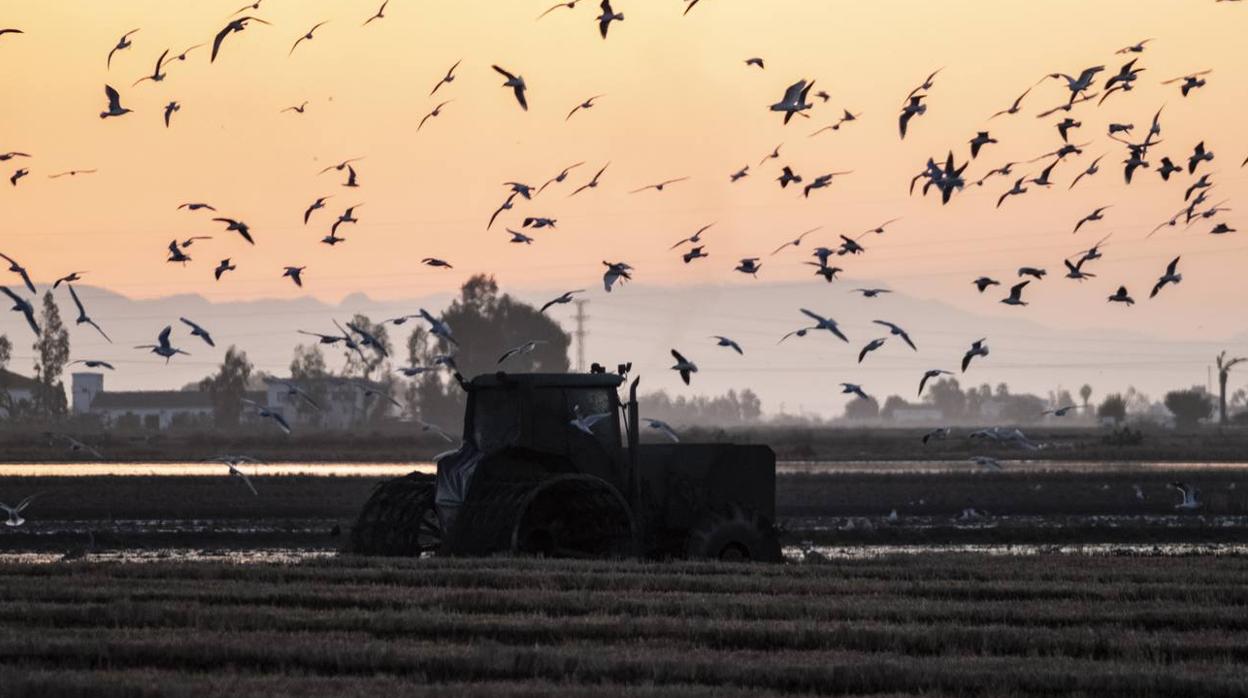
1224	372
1086	393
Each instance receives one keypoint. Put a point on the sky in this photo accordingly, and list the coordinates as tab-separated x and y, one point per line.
678	101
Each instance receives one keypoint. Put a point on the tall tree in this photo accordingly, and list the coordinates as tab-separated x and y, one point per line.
1224	373
1189	406
1113	407
1086	394
228	387
365	361
52	349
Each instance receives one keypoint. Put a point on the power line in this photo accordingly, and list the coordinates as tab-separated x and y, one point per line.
580	334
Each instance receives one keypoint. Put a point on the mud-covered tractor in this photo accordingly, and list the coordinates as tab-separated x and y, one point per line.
528	480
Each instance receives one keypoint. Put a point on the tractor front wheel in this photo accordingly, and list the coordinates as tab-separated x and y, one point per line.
735	535
399	519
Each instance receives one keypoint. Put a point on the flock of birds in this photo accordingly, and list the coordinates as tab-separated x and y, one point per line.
947	176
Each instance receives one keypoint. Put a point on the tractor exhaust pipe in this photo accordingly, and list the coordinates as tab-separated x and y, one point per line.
634	437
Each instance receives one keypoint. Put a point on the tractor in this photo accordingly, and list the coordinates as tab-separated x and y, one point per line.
546	468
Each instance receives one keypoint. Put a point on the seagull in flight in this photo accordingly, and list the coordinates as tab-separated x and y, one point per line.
1016	294
722	341
316	205
739	174
585	423
794	100
380	14
156	75
930	374
1015	107
223	267
871	292
298	109
659	186
71	173
824	323
235	26
570	4
176	254
787	177
197	331
663	428
756	61
239	226
854	389
978	348
1096	215
196	207
607	17
980	140
683	366
566	297
591	184
341	166
20	271
435	262
449	77
1137	47
23	306
90	363
1075	271
914	108
1092	169
438	328
21	172
82	314
114	104
1191	496
11	31
558	179
516	83
1121	296
519	237
526	348
616	271
795	242
266	413
822	181
984	282
693	239
870	347
1172	276
1190	81
295	274
170	108
897	332
162	346
122	44
437	111
15	513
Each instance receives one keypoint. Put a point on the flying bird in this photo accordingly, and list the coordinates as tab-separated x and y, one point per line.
519	237
794	100
223	267
930	374
663	428
381	14
23	306
526	348
90	363
795	242
870	347
683	366
20	271
1121	296
316	205
692	239
114	104
726	342
68	278
914	108
298	108
15	513
607	17
566	297
1172	276
197	331
558	179
978	348
450	77
1191	496
240	227
755	61
162	347
1189	82
1016	294
83	318
295	274
659	186
122	44
265	413
516	83
437	111
157	75
591	184
897	332
18	174
235	26
616	271
854	389
984	282
980	140
170	108
435	262
1096	215
306	37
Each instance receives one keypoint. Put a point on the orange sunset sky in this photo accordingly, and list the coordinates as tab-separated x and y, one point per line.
679	102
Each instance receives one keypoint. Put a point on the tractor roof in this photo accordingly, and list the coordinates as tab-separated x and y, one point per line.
554	380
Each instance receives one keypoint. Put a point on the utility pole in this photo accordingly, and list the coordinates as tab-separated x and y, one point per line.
580	333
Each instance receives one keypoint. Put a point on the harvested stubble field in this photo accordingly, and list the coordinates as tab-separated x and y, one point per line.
925	625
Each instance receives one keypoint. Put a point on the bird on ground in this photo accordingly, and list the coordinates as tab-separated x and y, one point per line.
796	242
450	77
380	14
157	75
794	100
658	186
18	174
238	226
122	44
176	254
566	297
526	348
23	306
592	183
20	271
978	348
1096	215
585	423
870	347
607	17
438	328
693	239
871	292
197	331
298	108
162	347
265	413
235	26
722	341
930	374
1191	496
92	363
114	104
223	267
663	428
983	282
1172	276
437	111
897	332
1016	294
516	83
822	181
1121	296
1199	155
83	318
914	108
616	271
306	37
519	237
683	366
1033	272
937	434
316	205
1092	169
980	140
558	179
170	108
1189	82
854	389
295	274
15	513
748	265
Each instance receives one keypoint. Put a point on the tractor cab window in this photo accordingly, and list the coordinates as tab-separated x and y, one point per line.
542	418
495	420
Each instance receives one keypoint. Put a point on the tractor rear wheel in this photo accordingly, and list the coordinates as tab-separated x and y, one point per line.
735	535
399	519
